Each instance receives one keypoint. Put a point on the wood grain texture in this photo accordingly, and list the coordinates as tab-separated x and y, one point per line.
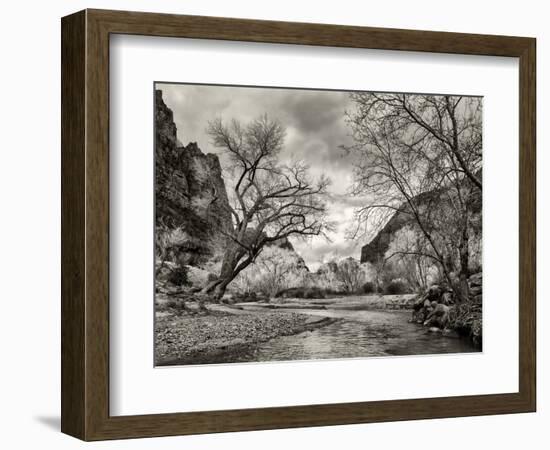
201	27
527	224
85	224
73	111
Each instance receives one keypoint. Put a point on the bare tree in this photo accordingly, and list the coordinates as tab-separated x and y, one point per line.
274	266
350	273
270	200
409	253
420	155
325	276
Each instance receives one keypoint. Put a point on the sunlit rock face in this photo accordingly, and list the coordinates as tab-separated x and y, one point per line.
434	201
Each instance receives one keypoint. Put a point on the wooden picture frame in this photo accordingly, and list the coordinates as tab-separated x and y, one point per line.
85	224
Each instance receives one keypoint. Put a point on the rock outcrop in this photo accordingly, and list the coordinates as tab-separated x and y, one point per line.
190	191
438	310
375	250
190	195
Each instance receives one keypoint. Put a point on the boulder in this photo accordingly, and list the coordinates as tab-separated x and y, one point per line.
434	293
164	270
447	298
438	317
476	279
476	290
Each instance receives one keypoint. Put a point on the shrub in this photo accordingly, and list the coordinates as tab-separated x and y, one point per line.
314	292
299	292
246	297
179	276
335	292
303	292
395	287
351	274
368	288
275	271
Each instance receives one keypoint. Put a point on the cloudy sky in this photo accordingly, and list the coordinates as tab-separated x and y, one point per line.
315	128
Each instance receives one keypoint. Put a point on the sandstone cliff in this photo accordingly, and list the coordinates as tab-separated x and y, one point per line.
186	183
375	250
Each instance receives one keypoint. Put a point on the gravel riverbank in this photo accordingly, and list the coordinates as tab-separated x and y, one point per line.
188	339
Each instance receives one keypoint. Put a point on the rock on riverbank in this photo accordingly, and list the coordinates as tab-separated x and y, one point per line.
438	310
199	339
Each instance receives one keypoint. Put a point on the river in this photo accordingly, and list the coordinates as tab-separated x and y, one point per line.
356	334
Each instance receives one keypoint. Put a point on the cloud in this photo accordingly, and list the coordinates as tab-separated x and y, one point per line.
315	111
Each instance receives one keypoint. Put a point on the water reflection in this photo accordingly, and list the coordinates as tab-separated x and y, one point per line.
357	334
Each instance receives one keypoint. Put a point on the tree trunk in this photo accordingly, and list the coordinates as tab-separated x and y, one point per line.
231	267
464	260
211	286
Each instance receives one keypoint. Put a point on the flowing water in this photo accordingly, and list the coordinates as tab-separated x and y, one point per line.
356	334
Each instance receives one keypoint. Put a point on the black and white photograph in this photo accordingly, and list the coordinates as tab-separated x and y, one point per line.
297	224
267	225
